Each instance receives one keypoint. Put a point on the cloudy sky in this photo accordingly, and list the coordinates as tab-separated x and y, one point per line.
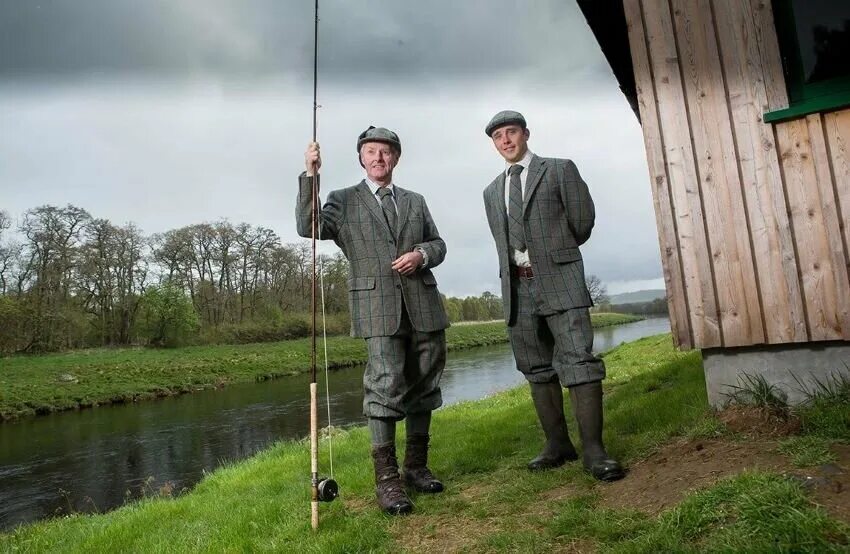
170	113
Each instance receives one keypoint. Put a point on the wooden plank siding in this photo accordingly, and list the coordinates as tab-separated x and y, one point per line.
682	174
665	217
753	219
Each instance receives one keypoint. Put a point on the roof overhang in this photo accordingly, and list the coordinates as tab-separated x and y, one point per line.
607	20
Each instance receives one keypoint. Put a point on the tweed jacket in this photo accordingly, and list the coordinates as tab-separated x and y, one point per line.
558	216
353	219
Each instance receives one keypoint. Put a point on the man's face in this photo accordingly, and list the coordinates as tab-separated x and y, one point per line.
379	160
511	141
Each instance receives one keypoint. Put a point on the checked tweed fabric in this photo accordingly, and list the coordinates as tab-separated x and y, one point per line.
558	216
558	345
353	219
389	208
403	373
515	231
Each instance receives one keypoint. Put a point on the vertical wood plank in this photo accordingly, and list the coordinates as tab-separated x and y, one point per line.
681	170
773	249
665	218
714	152
838	135
768	45
810	235
838	293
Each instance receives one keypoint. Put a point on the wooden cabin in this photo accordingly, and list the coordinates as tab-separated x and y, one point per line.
745	110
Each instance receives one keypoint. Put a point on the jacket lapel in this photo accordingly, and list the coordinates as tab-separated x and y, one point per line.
402	200
497	204
372	206
536	169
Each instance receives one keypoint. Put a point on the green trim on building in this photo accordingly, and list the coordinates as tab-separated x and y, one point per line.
803	98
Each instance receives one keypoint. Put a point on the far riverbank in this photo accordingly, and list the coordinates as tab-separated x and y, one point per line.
54	382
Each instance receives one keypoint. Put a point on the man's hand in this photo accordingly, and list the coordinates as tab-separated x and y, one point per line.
408	263
312	159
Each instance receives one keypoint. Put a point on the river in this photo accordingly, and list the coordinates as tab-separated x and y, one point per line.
97	459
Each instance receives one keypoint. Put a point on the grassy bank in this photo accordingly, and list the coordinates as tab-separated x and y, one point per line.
491	504
54	382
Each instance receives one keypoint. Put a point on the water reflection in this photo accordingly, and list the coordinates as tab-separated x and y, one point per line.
94	460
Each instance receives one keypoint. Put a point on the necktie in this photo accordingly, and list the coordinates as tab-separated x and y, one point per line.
516	233
388	206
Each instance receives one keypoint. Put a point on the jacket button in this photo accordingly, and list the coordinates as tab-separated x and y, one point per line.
398	286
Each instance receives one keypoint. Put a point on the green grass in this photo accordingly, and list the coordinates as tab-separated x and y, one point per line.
606	319
35	384
492	502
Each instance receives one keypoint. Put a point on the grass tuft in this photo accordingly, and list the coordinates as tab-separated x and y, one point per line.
755	390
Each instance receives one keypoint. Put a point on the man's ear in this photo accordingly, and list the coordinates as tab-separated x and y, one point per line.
527	133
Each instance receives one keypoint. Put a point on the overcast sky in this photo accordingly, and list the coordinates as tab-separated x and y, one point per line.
171	113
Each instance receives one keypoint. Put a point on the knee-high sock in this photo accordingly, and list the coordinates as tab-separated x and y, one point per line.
382	430
418	424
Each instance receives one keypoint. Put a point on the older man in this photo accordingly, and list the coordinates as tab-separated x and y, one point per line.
540	212
391	243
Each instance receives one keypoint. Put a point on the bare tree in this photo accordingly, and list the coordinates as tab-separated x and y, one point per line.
598	291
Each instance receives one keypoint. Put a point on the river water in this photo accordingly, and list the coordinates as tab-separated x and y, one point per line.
97	459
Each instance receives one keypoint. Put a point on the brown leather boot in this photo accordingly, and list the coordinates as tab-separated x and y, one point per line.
416	472
388	486
549	403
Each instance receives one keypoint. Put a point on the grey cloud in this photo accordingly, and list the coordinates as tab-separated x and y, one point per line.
377	39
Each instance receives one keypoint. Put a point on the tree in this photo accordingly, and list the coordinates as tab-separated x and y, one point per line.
492	305
168	315
598	291
51	255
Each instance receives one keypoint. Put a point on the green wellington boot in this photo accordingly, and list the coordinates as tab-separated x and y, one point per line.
549	402
587	404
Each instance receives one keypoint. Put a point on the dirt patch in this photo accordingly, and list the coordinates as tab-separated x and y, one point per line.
762	422
665	478
830	484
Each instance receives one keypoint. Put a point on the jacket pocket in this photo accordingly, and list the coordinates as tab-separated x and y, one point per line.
361	283
429	280
565	255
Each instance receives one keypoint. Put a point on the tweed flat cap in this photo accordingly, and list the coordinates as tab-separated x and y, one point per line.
506	117
379	134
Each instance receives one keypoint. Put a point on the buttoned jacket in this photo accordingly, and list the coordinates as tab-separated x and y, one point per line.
354	220
557	217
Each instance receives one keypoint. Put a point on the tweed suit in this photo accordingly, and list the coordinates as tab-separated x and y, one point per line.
548	316
401	317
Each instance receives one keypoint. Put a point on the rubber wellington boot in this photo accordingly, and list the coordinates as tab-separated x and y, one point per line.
549	402
587	404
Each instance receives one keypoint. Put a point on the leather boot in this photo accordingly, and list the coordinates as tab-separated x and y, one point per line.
416	472
388	486
587	404
549	402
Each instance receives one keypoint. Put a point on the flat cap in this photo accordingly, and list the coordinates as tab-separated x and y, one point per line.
379	134
506	117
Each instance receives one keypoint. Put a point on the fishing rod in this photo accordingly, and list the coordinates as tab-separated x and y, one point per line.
323	489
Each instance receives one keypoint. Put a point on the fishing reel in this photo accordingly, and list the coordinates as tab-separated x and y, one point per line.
328	489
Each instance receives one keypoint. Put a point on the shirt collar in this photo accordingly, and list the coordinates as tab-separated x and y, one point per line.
375	188
524	162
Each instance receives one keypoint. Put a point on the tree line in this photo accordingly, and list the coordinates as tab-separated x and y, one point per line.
70	280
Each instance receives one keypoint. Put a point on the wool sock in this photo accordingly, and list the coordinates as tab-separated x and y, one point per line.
382	430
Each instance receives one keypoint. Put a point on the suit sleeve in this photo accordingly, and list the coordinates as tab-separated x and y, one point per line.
581	213
431	243
330	215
